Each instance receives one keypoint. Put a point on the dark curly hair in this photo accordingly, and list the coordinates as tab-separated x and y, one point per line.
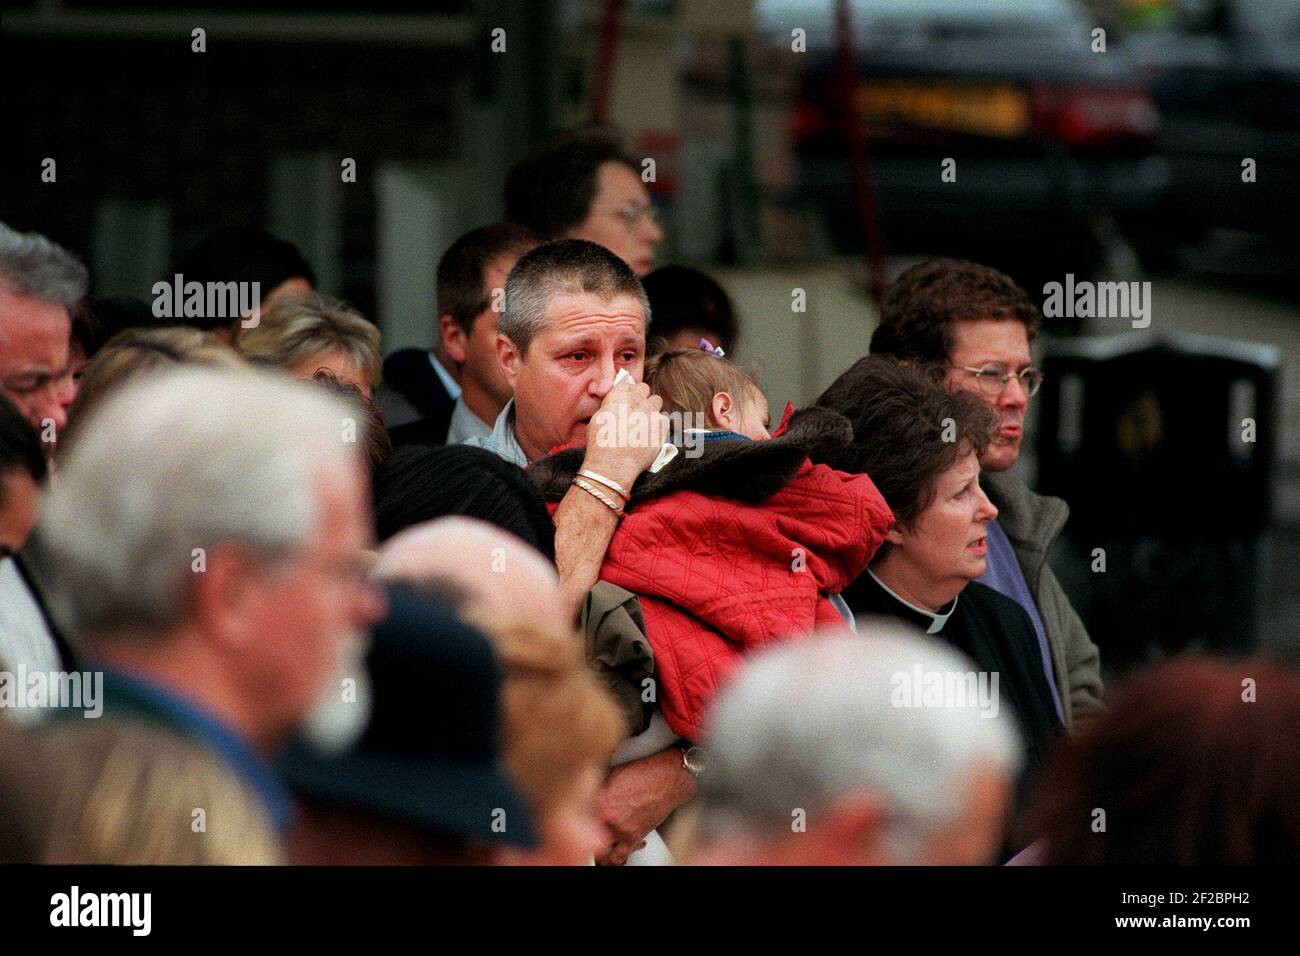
901	416
920	306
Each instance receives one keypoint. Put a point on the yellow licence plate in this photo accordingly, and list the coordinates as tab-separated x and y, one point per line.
986	109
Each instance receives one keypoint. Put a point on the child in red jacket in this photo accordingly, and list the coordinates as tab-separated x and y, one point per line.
740	540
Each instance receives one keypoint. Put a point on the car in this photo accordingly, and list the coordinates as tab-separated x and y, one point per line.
1225	75
1051	140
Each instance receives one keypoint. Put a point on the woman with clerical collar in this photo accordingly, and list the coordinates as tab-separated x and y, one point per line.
921	445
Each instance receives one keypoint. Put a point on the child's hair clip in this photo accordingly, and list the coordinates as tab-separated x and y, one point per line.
712	349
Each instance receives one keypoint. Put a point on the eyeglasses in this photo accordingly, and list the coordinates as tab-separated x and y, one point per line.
632	212
993	378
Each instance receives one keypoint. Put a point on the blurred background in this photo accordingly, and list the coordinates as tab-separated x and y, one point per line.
797	145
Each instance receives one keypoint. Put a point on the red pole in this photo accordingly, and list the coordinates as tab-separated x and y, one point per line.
603	82
864	192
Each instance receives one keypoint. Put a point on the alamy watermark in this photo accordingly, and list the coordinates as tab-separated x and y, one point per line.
212	300
971	690
48	690
1098	300
131	911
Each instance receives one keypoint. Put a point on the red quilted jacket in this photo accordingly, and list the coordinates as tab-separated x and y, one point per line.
737	549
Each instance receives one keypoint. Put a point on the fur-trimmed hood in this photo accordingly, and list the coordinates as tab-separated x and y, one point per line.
734	549
747	471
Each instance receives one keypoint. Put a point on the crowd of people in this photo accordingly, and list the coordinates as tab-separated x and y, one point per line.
562	589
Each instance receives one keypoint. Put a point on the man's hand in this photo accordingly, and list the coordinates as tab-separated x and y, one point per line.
623	438
626	433
637	796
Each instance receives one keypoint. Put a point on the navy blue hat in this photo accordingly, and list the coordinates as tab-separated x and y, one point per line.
430	756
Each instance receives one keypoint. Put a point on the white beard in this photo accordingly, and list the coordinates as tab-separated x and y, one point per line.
341	712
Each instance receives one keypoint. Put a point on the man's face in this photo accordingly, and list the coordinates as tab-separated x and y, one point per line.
20	501
977	343
477	351
619	218
34	367
314	606
570	367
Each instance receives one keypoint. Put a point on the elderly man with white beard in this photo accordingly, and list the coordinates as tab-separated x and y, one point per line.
206	542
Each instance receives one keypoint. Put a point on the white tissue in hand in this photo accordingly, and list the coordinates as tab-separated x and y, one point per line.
666	454
622	376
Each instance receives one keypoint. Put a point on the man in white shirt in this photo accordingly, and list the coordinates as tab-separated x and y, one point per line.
457	389
575	317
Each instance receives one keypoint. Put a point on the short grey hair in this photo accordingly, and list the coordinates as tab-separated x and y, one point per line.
812	721
563	267
31	265
179	459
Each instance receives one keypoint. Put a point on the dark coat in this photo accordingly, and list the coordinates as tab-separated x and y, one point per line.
415	404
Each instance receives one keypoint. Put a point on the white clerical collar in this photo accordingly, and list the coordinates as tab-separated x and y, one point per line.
937	621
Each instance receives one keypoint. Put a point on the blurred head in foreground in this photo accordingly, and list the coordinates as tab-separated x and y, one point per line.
178	536
1195	764
559	724
816	759
132	352
490	576
424	783
123	794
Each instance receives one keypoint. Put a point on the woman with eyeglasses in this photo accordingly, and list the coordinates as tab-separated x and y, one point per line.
921	445
584	185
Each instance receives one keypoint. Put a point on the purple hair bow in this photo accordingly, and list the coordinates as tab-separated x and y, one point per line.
712	349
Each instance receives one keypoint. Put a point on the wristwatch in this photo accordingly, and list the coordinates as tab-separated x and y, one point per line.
694	759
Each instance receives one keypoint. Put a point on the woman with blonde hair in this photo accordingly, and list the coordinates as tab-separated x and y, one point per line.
308	334
122	793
